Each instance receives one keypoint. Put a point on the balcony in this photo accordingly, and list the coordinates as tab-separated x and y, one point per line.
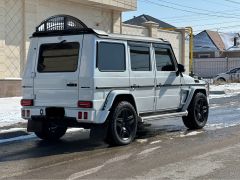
119	5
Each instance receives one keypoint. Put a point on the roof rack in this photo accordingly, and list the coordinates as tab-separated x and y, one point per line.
61	24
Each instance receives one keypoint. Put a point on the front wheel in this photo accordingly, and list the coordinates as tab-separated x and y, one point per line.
51	131
123	124
197	112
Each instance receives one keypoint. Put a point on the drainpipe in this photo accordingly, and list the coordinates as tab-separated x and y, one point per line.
190	31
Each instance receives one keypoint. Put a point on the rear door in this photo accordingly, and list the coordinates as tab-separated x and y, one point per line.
142	76
57	71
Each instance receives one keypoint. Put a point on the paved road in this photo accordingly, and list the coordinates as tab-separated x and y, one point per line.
164	150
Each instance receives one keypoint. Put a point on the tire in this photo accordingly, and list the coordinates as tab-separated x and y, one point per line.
197	112
221	80
122	124
51	131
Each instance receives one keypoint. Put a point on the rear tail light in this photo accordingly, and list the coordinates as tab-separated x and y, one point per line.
85	104
26	102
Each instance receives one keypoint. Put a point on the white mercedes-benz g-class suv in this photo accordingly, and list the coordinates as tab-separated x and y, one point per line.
109	83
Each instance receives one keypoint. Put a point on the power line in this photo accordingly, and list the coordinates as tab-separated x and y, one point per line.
226	22
231	1
180	5
194	19
218	28
218	3
183	17
188	11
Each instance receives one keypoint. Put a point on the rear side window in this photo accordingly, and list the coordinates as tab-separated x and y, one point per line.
58	57
164	60
111	57
140	58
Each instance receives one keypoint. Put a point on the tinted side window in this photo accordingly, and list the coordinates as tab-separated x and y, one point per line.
233	71
58	57
140	58
111	57
164	60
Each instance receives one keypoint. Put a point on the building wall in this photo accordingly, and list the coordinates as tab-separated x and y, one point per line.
231	54
134	30
2	41
11	37
18	19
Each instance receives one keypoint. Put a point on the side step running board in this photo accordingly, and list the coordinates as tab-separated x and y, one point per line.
164	116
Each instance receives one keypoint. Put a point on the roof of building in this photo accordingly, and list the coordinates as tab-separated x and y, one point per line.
140	20
216	38
228	40
208	41
213	40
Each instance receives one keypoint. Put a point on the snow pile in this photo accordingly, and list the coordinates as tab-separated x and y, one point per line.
227	88
228	40
193	133
10	111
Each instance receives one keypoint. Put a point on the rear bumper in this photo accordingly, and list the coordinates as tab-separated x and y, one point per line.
93	116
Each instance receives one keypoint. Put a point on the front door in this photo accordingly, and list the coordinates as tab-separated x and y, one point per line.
168	82
57	71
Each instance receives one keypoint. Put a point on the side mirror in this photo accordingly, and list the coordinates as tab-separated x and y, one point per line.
181	68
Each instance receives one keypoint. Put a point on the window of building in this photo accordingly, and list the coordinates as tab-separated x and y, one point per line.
58	57
140	58
204	55
111	57
164	60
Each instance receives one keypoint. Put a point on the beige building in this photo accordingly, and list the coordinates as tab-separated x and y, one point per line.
18	19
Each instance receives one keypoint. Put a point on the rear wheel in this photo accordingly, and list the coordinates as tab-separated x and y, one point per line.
197	112
123	124
51	131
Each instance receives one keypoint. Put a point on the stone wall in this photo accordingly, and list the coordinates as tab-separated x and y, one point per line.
10	87
11	38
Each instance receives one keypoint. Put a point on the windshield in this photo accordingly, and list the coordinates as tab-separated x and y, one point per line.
58	57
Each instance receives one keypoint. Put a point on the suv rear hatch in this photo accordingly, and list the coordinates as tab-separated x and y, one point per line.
57	71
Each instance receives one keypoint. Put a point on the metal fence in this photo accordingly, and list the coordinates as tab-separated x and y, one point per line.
210	67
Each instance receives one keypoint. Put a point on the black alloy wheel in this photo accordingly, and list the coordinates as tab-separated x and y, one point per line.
197	112
201	110
122	124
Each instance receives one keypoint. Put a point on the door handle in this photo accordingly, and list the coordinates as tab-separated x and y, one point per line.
159	85
72	84
134	86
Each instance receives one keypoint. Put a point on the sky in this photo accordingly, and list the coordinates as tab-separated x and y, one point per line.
216	15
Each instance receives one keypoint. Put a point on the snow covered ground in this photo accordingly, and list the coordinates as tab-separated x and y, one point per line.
227	88
10	111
